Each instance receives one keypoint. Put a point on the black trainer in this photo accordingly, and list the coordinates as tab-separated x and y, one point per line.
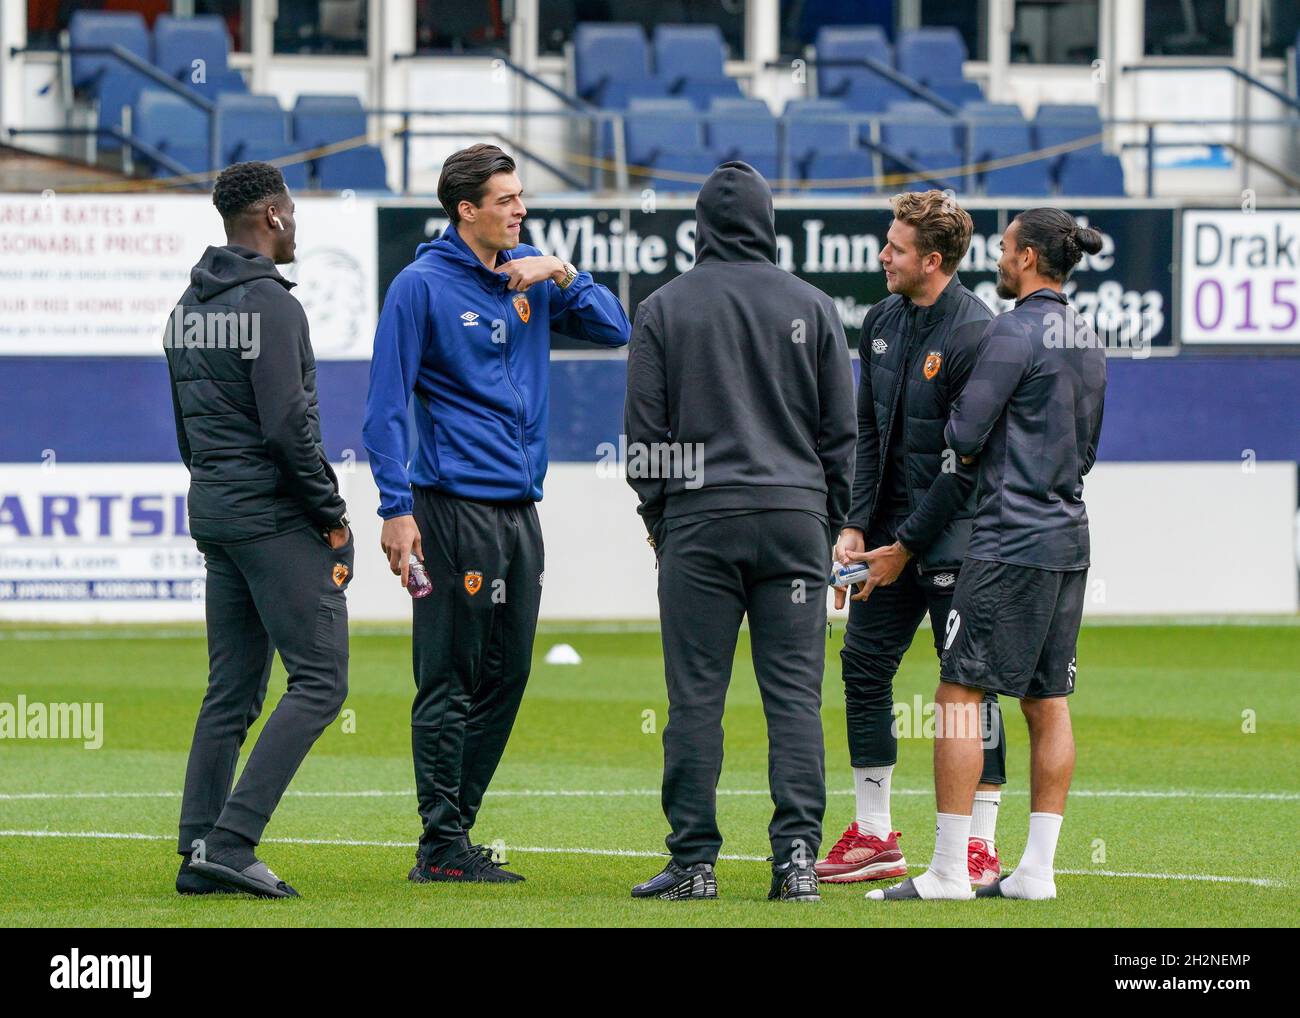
794	883
461	865
678	883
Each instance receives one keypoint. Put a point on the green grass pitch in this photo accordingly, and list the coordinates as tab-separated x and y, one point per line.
1170	792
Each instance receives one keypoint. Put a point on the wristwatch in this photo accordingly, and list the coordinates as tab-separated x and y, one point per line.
570	274
340	523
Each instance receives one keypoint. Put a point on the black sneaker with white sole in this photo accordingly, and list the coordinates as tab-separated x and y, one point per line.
463	866
794	883
679	883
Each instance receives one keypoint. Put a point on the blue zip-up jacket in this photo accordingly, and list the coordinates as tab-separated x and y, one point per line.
478	361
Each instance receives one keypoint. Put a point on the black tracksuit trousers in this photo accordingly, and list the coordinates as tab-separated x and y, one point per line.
769	565
283	593
472	649
880	631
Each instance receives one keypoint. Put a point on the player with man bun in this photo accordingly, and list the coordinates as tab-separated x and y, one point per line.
1030	415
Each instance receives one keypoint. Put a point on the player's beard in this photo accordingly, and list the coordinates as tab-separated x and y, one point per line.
1005	290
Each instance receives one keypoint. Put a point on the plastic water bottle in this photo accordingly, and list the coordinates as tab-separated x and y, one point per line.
847	576
417	579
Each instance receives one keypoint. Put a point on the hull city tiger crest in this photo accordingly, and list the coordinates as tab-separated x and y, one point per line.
340	574
933	361
521	306
473	581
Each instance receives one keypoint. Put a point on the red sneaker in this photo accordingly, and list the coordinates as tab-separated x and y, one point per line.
858	856
982	863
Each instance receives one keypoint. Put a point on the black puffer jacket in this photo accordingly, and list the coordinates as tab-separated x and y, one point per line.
243	380
934	349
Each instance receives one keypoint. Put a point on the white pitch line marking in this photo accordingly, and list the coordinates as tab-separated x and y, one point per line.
620	793
619	852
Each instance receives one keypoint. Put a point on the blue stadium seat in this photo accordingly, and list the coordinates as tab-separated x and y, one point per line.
860	88
221	83
611	64
173	126
94	28
361	169
320	120
179	42
827	171
810	128
702	91
990	138
1091	175
254	127
931	55
744	129
116	88
688	52
851	42
1060	124
656	126
918	132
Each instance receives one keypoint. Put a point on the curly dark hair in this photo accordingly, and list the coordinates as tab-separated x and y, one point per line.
244	185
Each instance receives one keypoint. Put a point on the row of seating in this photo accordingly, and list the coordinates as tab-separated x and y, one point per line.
929	57
194	52
823	141
613	64
256	127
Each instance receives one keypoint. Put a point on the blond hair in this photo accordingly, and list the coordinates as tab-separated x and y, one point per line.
941	225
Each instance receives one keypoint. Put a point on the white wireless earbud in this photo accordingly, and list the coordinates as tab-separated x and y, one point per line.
278	225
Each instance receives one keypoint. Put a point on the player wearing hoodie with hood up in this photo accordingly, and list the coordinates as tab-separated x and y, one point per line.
740	400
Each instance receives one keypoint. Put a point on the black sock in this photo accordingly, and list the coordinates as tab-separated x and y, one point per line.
226	848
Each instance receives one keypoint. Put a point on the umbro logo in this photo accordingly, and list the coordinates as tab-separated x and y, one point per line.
470	318
878	345
945	580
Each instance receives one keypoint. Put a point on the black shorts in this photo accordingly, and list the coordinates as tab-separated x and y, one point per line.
1014	629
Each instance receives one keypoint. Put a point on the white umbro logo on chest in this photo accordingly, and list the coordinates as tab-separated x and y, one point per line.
878	345
469	318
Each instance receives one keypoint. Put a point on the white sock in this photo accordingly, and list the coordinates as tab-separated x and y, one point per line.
871	786
984	818
1040	851
947	876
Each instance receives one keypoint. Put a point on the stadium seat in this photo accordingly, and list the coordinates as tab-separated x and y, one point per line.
1092	175
990	138
116	88
688	52
860	88
96	28
932	56
957	92
744	129
179	42
919	133
173	126
816	125
702	91
667	134
1061	124
255	127
320	120
611	64
978	109
827	171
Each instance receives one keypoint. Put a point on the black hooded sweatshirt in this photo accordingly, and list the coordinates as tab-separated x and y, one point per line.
243	381
740	370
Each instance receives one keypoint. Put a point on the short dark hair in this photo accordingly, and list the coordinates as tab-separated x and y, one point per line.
1058	239
465	175
244	186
